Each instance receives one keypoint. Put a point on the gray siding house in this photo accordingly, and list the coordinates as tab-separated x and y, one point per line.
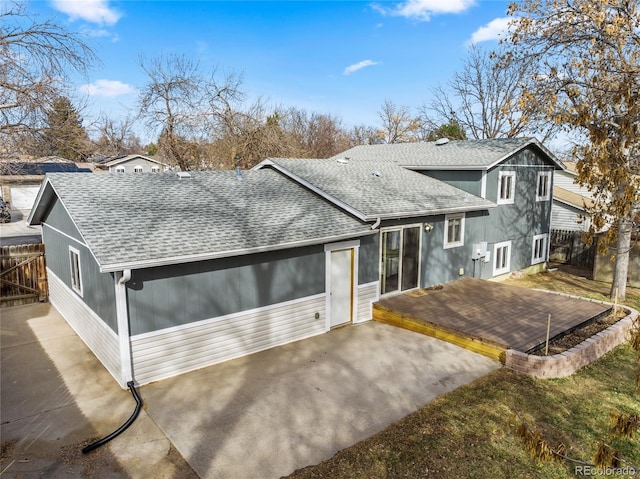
164	273
220	268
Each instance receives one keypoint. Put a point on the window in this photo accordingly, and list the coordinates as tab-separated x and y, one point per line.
74	263
454	230
539	249
502	258
544	184
506	187
155	169
119	169
137	169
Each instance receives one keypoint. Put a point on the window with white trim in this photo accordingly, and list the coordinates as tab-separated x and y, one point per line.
119	169
138	169
155	169
543	189
539	248
453	230
501	258
506	187
76	275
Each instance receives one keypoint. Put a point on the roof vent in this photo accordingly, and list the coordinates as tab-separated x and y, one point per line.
342	161
442	141
183	175
376	173
238	173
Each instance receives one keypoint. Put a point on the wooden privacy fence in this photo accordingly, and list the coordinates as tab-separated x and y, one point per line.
568	247
23	275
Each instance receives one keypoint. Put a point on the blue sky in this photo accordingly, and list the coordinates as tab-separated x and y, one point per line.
342	58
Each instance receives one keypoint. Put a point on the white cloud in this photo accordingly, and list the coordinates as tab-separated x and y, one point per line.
359	66
494	30
95	11
107	88
423	9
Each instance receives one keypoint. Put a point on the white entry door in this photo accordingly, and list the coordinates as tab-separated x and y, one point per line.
341	287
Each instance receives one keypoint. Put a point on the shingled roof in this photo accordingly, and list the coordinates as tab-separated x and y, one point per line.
151	219
377	189
463	154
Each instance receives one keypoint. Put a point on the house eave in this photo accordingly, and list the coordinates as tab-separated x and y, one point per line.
153	263
429	212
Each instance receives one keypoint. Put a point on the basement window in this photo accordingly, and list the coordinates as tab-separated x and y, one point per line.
539	249
76	275
502	258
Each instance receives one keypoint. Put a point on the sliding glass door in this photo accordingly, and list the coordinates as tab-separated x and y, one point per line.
400	257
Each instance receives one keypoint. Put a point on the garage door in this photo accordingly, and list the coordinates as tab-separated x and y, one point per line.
22	198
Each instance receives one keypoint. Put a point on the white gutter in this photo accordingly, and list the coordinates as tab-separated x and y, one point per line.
376	224
122	316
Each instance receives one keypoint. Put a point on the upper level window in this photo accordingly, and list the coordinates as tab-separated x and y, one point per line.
454	230
76	276
137	169
544	186
119	169
506	187
155	169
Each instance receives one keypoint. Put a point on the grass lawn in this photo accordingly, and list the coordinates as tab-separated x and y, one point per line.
469	433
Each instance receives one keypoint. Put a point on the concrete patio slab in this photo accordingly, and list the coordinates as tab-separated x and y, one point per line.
270	413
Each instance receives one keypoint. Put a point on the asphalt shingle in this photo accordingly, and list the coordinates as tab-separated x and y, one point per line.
147	218
377	188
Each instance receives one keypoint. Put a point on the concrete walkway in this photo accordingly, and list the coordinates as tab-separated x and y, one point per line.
260	416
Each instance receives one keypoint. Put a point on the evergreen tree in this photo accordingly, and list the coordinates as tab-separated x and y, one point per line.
64	134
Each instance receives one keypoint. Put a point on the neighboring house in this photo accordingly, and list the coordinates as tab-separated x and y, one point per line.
165	273
133	164
20	180
569	201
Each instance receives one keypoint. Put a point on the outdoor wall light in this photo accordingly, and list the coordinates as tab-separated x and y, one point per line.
428	227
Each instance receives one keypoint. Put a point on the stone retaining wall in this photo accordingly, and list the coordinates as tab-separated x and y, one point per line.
568	362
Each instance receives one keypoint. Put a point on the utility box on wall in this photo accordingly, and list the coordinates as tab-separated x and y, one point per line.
479	250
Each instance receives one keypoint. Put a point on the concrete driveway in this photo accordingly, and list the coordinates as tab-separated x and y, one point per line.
270	413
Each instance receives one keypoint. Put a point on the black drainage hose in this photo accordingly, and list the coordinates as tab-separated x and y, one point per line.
121	429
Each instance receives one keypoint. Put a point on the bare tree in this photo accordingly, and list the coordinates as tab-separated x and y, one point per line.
36	59
187	105
116	137
483	97
398	126
587	58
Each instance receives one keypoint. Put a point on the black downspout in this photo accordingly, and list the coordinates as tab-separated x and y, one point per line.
121	429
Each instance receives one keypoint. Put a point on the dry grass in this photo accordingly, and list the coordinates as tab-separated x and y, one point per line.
471	432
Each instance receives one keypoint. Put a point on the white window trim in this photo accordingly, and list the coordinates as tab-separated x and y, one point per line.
75	285
138	169
546	197
155	169
504	174
453	244
120	169
401	228
545	248
507	268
